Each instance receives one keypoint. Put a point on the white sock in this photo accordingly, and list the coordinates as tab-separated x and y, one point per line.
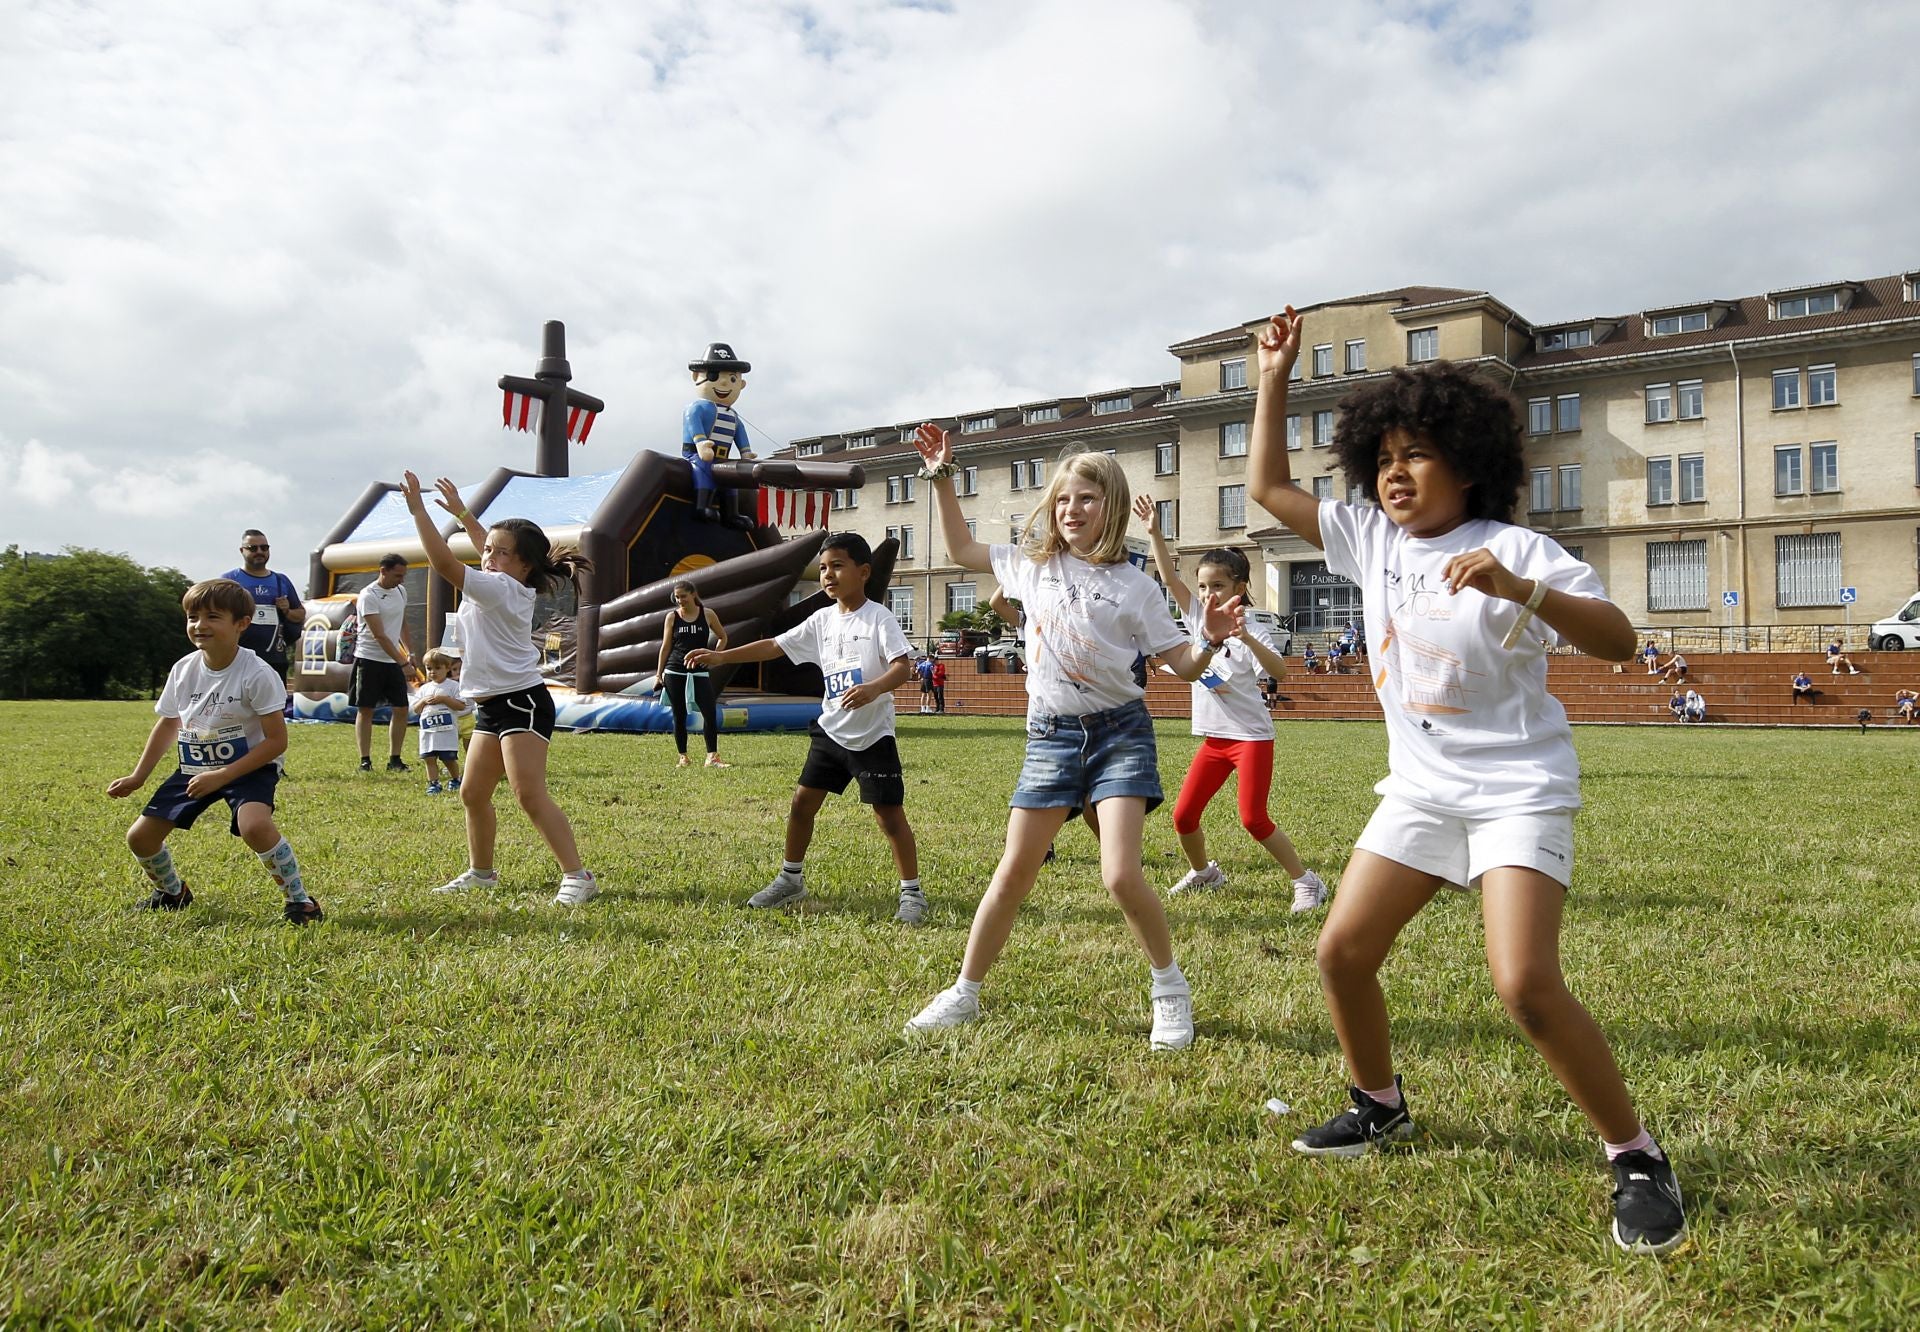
969	988
910	886
1169	979
793	869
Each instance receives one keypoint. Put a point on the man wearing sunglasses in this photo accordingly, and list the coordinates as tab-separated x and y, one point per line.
277	612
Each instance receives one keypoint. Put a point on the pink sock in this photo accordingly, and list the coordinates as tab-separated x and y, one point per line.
1389	1098
1639	1142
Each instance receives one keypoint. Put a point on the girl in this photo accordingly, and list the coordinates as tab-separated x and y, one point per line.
689	627
1230	717
500	670
1482	779
1089	738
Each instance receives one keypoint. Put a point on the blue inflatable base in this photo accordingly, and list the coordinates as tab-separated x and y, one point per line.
641	714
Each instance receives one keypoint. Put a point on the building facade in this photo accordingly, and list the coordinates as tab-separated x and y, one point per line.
1749	463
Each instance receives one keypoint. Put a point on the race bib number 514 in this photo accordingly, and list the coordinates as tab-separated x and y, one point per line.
839	680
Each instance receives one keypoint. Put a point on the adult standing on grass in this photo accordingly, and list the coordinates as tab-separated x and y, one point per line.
500	671
1090	742
221	708
1482	779
688	627
381	660
940	686
277	612
1231	719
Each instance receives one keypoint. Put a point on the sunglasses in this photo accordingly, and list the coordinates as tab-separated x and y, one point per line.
254	548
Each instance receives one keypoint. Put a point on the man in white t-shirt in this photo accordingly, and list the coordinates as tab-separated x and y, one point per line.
863	657
381	662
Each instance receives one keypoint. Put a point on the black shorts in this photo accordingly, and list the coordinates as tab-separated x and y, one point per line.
510	714
830	766
172	803
375	683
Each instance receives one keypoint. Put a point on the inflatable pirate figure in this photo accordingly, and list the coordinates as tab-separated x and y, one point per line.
712	432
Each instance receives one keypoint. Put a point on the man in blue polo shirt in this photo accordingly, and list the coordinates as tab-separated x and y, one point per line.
277	612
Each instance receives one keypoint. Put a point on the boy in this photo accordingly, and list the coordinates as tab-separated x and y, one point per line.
859	648
222	707
440	707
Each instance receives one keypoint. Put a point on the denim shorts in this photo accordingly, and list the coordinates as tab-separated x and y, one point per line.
1074	762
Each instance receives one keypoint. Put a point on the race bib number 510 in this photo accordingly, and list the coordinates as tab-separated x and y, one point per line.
206	751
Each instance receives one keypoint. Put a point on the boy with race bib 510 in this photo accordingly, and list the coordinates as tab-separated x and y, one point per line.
863	656
221	712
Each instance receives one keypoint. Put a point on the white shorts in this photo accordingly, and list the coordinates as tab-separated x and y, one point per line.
1460	850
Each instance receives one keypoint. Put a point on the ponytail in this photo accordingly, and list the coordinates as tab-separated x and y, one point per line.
545	566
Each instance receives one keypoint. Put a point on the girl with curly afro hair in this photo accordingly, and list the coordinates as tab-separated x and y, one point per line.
1482	780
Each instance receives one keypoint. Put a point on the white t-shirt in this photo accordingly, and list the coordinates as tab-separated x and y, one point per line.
1086	623
439	705
1227	703
850	647
220	711
390	604
1471	728
496	636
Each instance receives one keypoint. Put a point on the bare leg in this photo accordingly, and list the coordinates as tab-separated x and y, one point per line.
806	803
1281	849
1121	819
525	758
363	730
147	836
1377	898
1522	910
906	852
1028	833
485	768
397	731
1194	845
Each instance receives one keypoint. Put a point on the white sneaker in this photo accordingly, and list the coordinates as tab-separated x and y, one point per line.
577	888
913	909
1172	1021
1210	877
1309	891
469	879
949	1008
780	892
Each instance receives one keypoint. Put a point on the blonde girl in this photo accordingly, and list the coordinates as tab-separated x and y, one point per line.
1232	721
1090	742
500	671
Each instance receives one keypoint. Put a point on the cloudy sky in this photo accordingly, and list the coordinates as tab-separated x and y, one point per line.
253	256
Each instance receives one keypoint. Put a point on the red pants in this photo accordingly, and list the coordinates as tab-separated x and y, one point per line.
1217	758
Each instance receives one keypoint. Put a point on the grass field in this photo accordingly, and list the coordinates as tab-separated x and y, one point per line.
661	1110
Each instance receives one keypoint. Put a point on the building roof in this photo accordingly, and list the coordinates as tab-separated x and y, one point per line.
1077	417
1397	296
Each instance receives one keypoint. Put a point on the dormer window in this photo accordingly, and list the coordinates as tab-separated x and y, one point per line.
1665	326
1107	406
1812	303
907	432
973	425
860	441
811	449
1043	414
1566	339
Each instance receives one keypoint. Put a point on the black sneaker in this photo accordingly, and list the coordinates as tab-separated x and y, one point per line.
1648	1216
162	901
394	764
366	765
299	913
1367	1126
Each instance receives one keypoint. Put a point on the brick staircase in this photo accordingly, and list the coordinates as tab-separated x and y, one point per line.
1743	688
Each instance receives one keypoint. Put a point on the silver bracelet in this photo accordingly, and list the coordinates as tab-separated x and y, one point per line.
927	473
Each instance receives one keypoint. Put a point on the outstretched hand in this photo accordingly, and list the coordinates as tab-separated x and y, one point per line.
1223	620
410	491
934	444
449	497
1146	512
1279	343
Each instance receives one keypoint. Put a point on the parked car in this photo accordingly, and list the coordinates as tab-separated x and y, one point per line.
1899	630
959	642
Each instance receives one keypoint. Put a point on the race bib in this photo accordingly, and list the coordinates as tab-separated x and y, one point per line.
1218	672
267	614
205	751
840	677
439	719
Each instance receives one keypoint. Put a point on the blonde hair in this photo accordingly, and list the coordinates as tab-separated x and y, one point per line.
1040	539
433	657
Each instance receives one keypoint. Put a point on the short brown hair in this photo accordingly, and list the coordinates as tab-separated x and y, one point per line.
219	594
436	657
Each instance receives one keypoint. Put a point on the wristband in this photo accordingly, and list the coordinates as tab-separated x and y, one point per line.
463	514
948	468
1532	604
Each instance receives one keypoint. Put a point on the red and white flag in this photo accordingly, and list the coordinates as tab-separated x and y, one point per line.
579	424
521	411
795	508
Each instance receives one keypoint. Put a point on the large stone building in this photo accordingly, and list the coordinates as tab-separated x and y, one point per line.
1735	462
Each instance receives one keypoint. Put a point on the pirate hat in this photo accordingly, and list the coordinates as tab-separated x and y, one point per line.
719	358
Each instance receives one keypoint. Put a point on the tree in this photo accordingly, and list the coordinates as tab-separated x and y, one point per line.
87	624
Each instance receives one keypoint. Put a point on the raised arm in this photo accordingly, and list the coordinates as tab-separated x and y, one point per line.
1190	660
936	449
1146	512
1269	475
439	555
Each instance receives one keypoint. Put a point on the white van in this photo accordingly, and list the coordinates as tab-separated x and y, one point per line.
1278	627
1899	630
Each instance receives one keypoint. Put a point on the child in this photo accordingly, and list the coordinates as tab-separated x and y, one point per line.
1674	670
440	707
863	655
500	671
1310	661
1482	779
1694	708
924	669
1231	718
1090	742
1904	701
1802	686
690	625
1650	654
1837	658
222	706
1677	705
940	686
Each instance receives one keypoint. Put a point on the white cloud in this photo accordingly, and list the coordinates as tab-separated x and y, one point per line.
304	240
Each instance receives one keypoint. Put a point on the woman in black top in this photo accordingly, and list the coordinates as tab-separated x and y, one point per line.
688	626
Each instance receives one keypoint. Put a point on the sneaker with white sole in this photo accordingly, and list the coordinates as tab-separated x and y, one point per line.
469	879
1210	877
1648	1214
1363	1127
949	1008
1172	1021
913	908
577	888
784	889
1309	891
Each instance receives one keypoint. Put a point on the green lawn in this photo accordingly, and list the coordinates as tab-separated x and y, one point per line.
660	1110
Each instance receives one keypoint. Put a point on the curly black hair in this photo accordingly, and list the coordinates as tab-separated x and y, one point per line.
1472	423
